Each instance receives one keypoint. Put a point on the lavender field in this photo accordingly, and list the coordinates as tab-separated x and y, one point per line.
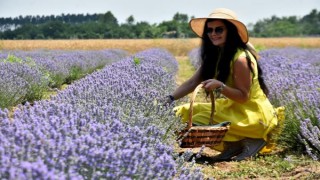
107	125
110	123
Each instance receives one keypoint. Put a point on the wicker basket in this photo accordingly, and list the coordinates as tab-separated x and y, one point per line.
197	136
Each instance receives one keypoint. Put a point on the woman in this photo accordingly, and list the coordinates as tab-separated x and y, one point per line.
229	65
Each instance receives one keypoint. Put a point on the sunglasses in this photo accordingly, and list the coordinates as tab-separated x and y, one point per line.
218	30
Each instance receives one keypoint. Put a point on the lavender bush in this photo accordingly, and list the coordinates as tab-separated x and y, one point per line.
42	69
20	82
194	57
13	88
293	76
310	137
107	125
67	66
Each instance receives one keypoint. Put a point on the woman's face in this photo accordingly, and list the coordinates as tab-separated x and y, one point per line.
217	32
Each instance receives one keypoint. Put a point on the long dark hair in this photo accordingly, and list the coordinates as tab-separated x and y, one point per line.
210	55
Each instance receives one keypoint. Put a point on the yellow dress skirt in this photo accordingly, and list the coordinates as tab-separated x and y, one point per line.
251	121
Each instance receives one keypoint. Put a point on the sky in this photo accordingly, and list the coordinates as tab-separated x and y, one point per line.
156	11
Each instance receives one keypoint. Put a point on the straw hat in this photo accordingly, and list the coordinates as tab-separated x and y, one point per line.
197	24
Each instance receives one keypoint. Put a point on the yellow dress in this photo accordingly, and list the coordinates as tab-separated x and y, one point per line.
255	118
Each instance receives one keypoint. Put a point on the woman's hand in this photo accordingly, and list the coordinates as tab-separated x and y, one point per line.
211	84
166	101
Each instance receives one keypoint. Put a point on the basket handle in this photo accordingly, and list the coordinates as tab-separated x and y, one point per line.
194	94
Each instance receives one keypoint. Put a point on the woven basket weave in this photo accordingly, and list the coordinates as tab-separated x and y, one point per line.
197	136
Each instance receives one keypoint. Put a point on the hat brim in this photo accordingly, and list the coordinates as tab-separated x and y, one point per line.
197	26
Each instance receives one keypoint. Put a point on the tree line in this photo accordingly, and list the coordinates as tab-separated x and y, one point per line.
106	26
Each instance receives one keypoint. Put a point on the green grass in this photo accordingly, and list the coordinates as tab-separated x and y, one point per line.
52	92
275	166
186	70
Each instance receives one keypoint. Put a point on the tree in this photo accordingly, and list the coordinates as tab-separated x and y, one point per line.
53	30
108	19
181	18
143	30
311	23
106	26
130	20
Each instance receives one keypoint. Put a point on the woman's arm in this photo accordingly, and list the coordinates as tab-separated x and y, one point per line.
242	82
188	86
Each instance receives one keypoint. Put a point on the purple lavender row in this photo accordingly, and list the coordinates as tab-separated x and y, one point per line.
194	57
293	76
310	137
59	64
29	73
107	125
20	83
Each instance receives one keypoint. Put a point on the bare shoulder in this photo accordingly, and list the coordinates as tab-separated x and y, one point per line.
241	62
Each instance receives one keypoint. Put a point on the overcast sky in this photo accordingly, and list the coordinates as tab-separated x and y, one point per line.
156	11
